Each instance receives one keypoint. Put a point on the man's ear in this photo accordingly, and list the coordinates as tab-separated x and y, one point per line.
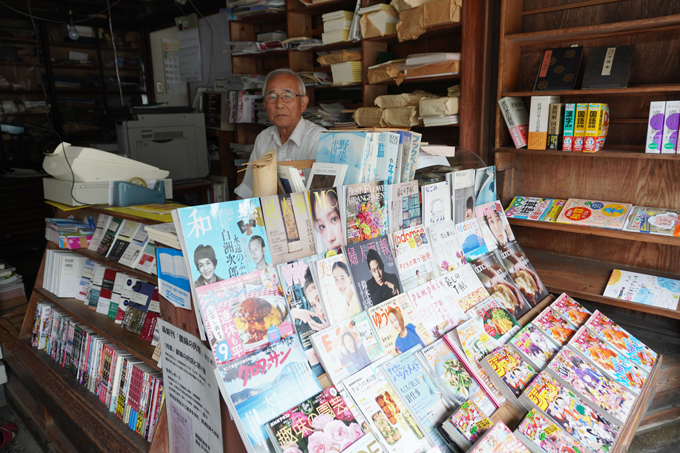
304	100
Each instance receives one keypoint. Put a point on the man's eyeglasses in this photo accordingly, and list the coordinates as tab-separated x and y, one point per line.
285	97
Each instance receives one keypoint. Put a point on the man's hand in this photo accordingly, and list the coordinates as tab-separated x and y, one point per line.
392	287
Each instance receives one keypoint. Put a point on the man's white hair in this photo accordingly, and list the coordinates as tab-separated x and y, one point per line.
281	71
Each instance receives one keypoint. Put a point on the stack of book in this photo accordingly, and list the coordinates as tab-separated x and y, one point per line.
11	283
242	106
69	233
245	8
238	82
347	72
336	26
378	20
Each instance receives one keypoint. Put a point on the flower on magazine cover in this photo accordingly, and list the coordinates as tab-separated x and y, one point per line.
320	442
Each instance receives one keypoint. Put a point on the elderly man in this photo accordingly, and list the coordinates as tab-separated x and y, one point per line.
292	137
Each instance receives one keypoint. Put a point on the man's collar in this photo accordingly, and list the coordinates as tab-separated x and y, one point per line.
296	136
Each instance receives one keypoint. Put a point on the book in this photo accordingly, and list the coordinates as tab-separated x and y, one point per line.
643	289
336	288
554	327
601	214
127	231
539	114
374	271
594	120
605	395
462	184
387	415
653	221
306	310
448	253
388	153
103	221
173	279
474	340
571	310
541	435
497	321
485	185
559	69
410	157
612	363
436	203
420	394
398	326
415	260
109	236
657	112
365	211
523	273
498	283
533	346
262	385
516	118
322	418
509	373
495	228
555	125
347	347
669	142
580	127
404	205
243	314
468	422
324	209
585	425
130	256
553	210
617	337
350	148
568	127
326	176
608	67
290	179
438	309
499	439
289	227
523	207
471	240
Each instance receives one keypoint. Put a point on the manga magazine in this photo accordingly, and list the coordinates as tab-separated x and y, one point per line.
554	327
542	432
574	312
507	367
499	439
534	346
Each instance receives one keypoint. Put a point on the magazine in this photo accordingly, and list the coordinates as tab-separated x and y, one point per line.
650	220
374	271
485	185
542	432
491	272
389	152
324	209
470	421
603	214
499	439
470	239
474	340
554	327
366	211
289	227
351	148
448	253
522	272
436	203
398	326
463	188
326	176
571	310
533	346
495	227
347	347
508	371
336	288
644	289
404	203
437	308
497	321
523	207
465	287
415	260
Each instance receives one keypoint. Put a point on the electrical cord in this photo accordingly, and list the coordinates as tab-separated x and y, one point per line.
115	56
212	39
93	16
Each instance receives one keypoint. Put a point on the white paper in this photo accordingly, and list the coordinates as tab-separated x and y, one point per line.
189	55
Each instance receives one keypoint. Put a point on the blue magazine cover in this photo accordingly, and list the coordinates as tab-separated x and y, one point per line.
173	280
351	148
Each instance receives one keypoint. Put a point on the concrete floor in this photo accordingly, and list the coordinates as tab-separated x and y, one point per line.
24	442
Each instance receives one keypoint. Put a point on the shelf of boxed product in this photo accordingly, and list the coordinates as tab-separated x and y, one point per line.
430	32
587	279
69	396
322	7
606	232
640	90
650	25
103	326
413	80
624	152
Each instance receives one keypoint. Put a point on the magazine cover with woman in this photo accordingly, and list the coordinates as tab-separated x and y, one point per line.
398	325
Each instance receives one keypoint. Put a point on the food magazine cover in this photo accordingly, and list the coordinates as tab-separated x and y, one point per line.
289	227
497	321
437	308
522	273
448	252
415	260
336	288
465	287
366	211
476	343
374	271
398	325
491	272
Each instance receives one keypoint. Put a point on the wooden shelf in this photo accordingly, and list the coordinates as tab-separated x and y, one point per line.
579	229
267	54
103	326
72	45
352	86
655	24
642	90
622	153
20	92
17	41
587	279
94	256
279	16
324	7
68	66
330	47
412	80
19	63
431	32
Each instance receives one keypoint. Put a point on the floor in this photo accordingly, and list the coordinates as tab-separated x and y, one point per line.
24	442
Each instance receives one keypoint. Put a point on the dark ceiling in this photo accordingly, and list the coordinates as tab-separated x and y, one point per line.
153	14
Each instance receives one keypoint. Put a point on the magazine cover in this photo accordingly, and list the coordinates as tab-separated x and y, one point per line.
436	203
306	310
592	385
470	421
457	380
554	210
616	366
404	202
515	373
398	326
499	439
374	271
638	352
650	220
324	209
490	271
485	185
324	419
437	308
585	425
350	148
448	253
497	321
336	288
463	187
347	347
554	327
523	207
366	211
263	385
289	227
534	345
173	279
470	239
571	310
421	395
602	214
476	343
545	434
643	289
385	411
523	273
243	314
326	176
496	230
465	287
352	406
415	259
367	444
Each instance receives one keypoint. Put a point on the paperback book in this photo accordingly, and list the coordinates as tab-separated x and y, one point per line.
554	327
398	325
404	202
498	323
643	289
109	236
327	220
374	271
523	273
132	253
542	435
437	308
436	203
602	214
509	373
415	260
465	287
654	221
102	226
571	310
448	253
490	271
533	346
366	211
289	227
471	239
125	234
351	148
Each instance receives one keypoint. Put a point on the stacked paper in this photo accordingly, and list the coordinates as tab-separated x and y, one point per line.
346	72
336	26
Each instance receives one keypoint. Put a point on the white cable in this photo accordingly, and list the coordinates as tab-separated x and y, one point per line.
115	57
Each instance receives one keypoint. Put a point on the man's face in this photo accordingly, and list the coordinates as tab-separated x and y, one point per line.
281	114
256	251
376	272
206	268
